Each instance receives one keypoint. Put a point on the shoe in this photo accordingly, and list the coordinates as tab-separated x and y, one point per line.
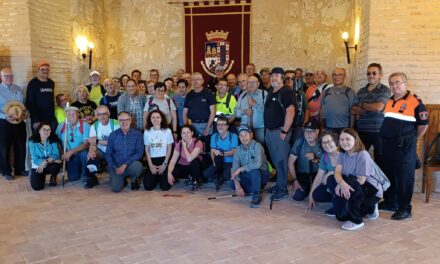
401	215
256	201
22	173
53	181
386	207
330	212
89	185
188	182
9	177
279	195
350	226
375	214
134	186
195	187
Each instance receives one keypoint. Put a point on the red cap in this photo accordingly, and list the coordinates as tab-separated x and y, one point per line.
41	63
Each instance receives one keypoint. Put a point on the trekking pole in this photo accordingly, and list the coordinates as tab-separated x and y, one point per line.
64	148
221	197
271	202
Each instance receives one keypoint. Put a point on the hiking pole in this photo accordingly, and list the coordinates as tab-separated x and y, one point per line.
271	202
221	197
64	148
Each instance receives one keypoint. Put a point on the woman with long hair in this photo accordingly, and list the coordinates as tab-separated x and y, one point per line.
158	141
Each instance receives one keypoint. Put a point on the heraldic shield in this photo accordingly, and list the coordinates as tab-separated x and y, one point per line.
217	52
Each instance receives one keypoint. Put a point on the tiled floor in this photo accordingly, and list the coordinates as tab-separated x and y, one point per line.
73	225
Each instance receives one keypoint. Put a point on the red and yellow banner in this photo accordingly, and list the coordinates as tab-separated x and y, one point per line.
217	33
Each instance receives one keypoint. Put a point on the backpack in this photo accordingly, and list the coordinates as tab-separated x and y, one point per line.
151	105
81	127
316	94
217	136
436	156
112	125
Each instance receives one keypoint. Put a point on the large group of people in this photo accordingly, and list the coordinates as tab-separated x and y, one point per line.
309	133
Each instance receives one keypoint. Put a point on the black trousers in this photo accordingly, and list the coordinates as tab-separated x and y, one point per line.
373	139
151	180
12	136
39	179
194	169
361	202
399	155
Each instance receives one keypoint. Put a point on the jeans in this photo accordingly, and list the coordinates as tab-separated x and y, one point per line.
118	182
76	166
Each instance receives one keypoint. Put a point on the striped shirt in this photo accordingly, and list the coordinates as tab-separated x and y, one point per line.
372	121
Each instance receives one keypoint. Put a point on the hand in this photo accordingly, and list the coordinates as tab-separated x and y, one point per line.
58	161
121	169
41	167
235	174
161	169
296	186
282	136
102	142
311	203
324	179
238	190
153	169
184	145
338	190
206	132
91	154
252	102
171	179
67	155
310	156
216	152
345	190
35	125
248	112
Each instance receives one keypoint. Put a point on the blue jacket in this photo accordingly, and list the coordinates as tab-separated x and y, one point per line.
40	152
124	148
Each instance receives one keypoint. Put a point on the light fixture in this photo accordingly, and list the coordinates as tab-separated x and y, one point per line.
83	46
345	37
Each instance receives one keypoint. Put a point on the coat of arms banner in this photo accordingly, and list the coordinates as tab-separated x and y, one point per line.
217	33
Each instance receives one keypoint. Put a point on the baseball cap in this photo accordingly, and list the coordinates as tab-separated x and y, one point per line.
277	70
244	127
93	73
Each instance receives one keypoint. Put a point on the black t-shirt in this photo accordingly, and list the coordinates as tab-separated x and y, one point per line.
86	109
112	103
198	105
40	100
276	105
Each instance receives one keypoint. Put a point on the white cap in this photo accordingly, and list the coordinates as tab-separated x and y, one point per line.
93	73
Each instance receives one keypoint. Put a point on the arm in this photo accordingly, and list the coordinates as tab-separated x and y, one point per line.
342	189
174	121
257	161
108	153
171	167
211	119
190	156
373	107
291	165
421	130
144	118
185	115
290	115
316	182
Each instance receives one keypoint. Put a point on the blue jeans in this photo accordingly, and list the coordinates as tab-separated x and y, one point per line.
76	166
91	176
252	181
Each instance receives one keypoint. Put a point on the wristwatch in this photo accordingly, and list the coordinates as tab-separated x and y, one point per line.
283	132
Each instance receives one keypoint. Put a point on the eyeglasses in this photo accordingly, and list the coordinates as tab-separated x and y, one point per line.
7	76
327	142
220	124
309	74
160	91
338	75
46	129
124	119
372	73
398	83
71	137
252	82
289	78
101	114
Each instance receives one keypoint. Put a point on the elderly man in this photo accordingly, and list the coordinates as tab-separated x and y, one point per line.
40	96
12	131
369	106
96	90
250	108
99	134
250	69
74	133
132	102
242	82
336	104
219	74
125	148
199	107
249	167
110	99
406	119
279	112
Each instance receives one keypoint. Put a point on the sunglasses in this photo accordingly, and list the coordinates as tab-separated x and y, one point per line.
309	74
289	78
372	73
71	137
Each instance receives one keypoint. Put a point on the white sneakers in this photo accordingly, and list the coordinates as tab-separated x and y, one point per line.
350	226
375	214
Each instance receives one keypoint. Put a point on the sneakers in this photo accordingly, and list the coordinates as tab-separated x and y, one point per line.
330	212
9	177
401	214
350	226
195	187
134	186
279	195
386	207
375	214
53	180
256	201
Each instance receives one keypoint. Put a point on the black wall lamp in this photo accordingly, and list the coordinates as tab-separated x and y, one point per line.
347	48
84	47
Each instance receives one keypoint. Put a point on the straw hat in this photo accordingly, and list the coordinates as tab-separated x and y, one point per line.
15	111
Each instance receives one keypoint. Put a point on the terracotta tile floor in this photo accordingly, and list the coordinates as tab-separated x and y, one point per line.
73	225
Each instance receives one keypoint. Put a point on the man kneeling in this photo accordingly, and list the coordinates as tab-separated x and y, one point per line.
249	168
125	147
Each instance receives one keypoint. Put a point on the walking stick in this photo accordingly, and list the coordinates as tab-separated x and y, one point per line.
221	197
271	202
64	148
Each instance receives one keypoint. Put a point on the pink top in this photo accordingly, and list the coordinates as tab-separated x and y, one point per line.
191	147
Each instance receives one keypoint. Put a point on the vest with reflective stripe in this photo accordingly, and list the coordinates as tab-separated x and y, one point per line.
402	109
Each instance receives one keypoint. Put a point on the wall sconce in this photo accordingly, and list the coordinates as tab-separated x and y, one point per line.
83	46
347	48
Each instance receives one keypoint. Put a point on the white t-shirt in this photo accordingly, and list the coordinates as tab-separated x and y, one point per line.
103	133
158	141
163	105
